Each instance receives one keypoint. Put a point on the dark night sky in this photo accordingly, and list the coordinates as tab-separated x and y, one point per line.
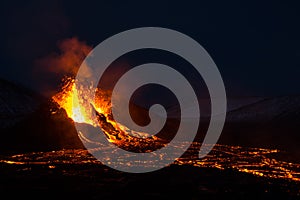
256	46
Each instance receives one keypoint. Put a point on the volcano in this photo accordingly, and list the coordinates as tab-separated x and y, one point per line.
31	122
43	141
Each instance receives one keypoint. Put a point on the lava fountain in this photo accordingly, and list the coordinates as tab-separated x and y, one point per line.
71	99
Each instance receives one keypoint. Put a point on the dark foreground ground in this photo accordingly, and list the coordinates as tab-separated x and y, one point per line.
32	125
95	181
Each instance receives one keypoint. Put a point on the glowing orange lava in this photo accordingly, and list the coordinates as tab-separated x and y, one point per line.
74	102
79	103
68	100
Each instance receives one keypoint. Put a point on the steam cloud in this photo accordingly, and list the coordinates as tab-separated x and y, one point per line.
68	61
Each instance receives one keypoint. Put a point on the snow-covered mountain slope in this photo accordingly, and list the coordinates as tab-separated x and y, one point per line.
275	108
16	102
233	103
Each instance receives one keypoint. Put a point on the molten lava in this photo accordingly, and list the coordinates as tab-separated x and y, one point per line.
68	100
76	109
73	101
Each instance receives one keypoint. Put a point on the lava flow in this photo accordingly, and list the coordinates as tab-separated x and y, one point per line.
79	112
68	100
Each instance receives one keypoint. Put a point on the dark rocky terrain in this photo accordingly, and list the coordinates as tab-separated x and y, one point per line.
30	123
